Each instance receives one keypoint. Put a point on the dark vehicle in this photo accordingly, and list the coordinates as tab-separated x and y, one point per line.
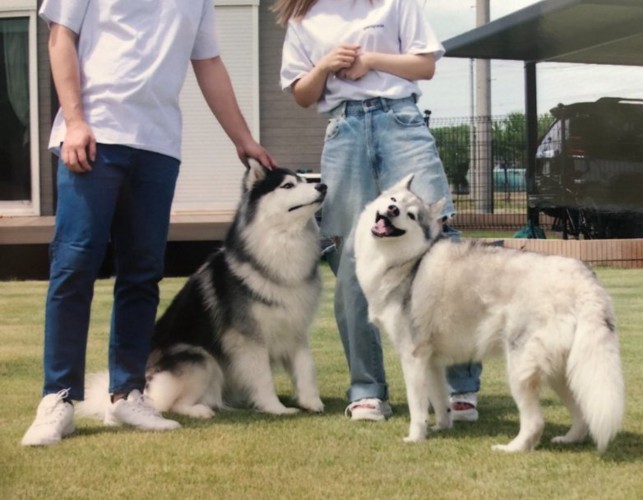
589	169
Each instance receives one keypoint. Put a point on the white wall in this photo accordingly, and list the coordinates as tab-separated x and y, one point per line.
210	178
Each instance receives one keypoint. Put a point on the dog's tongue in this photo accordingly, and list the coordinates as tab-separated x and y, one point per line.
381	228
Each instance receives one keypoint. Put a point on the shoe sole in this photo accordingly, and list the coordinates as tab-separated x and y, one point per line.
48	442
113	423
111	419
464	416
371	418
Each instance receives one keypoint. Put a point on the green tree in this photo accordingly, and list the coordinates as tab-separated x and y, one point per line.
509	141
453	145
509	144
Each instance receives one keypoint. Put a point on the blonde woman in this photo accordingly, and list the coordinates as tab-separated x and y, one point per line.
359	61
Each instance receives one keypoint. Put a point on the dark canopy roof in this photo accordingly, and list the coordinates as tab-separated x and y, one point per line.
575	31
578	31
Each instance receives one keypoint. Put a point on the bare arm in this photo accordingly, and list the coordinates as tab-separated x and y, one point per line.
215	84
346	62
409	66
79	145
308	89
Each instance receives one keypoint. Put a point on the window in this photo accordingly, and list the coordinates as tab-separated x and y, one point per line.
18	130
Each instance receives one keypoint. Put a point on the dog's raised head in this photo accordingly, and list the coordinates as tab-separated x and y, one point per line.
279	195
399	223
274	227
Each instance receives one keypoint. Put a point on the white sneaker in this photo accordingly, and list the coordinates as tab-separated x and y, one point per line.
464	407
137	412
54	420
372	409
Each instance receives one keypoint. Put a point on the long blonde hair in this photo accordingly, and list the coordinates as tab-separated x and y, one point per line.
289	9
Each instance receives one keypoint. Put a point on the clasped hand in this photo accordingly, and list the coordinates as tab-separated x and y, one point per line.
346	62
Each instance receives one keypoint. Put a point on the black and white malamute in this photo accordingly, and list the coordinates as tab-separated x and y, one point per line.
444	302
248	308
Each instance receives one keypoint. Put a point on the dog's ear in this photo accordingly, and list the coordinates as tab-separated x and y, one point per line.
435	209
405	183
255	173
408	180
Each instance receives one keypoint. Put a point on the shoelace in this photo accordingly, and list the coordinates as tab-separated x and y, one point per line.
63	393
55	410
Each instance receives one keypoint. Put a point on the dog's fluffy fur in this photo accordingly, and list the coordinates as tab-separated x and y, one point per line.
443	302
248	308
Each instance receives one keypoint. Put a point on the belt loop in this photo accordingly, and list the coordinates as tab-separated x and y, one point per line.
384	103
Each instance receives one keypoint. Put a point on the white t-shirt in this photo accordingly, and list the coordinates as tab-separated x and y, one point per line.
387	26
134	56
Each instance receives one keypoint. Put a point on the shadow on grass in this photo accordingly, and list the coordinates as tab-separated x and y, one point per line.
498	419
502	418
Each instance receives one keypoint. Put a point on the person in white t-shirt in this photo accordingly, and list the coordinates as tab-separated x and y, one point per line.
359	61
118	67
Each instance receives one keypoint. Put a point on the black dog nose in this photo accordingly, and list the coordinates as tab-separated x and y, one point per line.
321	187
393	211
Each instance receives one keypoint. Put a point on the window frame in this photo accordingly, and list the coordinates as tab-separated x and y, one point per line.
30	206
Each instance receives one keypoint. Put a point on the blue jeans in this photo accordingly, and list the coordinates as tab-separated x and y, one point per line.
464	378
125	199
369	146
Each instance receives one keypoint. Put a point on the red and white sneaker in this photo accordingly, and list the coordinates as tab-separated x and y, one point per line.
372	409
464	407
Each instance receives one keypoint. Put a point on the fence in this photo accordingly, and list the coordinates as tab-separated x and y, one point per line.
485	161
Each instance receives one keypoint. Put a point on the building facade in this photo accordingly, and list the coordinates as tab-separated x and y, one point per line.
209	182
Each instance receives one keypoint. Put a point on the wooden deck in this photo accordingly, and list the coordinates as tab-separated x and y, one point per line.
197	227
614	253
213	227
183	227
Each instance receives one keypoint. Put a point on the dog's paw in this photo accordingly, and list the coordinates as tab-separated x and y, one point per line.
509	448
288	411
314	406
442	416
568	439
202	411
414	439
195	411
283	410
417	432
442	424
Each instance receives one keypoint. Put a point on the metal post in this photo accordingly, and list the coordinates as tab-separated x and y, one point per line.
483	161
531	110
472	132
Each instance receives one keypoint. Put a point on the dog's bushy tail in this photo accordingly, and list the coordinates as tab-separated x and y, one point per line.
594	371
96	396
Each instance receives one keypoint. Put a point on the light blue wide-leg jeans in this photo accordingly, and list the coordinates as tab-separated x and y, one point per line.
126	198
369	146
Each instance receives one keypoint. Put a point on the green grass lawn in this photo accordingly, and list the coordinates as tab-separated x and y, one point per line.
242	454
